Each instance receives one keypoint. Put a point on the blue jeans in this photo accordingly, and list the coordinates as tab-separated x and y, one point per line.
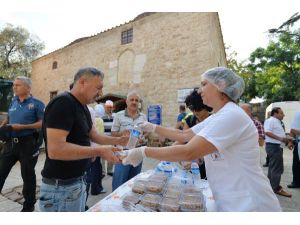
124	173
63	198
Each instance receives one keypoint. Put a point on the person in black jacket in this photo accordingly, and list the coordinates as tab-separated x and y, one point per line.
199	113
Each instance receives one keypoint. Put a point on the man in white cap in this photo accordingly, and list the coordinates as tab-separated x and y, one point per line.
107	122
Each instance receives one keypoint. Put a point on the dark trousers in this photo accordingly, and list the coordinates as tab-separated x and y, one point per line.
267	160
275	170
26	152
296	166
94	177
202	170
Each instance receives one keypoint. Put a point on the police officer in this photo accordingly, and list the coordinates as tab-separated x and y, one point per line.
24	117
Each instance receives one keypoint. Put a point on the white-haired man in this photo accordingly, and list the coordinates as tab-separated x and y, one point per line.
123	121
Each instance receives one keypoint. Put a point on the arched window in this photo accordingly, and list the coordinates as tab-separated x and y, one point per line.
125	67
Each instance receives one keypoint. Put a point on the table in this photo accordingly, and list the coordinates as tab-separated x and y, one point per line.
113	202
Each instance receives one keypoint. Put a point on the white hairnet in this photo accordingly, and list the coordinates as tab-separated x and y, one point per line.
226	81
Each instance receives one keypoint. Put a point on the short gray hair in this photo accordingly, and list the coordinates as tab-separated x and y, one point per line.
131	93
88	71
25	80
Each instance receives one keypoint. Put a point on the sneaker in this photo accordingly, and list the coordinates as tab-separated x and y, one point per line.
28	209
293	185
103	191
283	193
266	165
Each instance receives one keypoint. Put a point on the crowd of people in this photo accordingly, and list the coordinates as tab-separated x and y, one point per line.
79	136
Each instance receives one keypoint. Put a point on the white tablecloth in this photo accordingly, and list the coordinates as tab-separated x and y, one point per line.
113	202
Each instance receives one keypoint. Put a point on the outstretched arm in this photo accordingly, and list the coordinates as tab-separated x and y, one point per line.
60	149
170	133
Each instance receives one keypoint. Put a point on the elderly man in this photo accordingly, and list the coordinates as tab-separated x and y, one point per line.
123	121
68	132
260	129
25	116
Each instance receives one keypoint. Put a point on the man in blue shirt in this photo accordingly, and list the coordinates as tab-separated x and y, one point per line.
25	116
180	117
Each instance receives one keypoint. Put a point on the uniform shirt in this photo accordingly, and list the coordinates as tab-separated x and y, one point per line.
123	121
65	112
233	170
29	111
273	125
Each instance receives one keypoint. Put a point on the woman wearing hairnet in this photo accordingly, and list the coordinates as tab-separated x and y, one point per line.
228	142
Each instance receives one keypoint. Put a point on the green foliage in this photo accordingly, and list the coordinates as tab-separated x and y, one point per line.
276	68
273	72
241	69
17	49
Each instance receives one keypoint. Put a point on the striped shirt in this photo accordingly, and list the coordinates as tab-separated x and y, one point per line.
107	122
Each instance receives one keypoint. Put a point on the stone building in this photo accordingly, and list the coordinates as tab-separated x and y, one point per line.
159	54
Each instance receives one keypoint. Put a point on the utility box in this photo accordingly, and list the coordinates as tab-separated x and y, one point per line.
6	94
289	109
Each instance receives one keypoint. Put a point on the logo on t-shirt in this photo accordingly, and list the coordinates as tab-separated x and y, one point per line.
216	156
30	106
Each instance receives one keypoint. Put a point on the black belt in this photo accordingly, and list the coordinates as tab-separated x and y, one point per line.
62	181
22	139
268	143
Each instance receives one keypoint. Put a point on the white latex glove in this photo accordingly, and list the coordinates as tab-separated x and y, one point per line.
147	127
134	156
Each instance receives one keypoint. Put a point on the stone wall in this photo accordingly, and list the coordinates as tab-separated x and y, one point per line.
169	52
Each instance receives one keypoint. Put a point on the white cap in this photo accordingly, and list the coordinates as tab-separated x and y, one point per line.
109	103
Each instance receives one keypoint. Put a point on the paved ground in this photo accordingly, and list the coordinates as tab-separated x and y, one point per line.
11	199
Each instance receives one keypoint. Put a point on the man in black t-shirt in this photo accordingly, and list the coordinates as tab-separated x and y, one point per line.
68	132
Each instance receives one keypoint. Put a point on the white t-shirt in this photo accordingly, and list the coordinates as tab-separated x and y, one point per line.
99	110
296	126
274	126
233	171
296	121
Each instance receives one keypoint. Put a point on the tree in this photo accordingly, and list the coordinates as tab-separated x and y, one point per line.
241	69
277	67
17	49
